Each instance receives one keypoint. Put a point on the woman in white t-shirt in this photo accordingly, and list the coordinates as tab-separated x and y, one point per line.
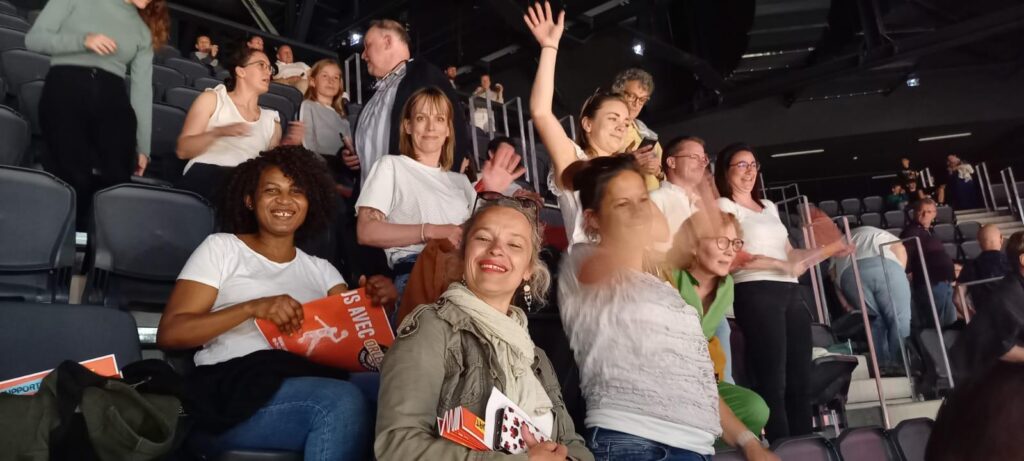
226	126
645	370
769	304
254	271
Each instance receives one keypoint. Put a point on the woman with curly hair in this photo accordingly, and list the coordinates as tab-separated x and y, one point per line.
243	394
89	123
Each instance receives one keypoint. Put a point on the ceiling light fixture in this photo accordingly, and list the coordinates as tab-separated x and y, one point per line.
638	48
355	38
799	152
945	136
913	80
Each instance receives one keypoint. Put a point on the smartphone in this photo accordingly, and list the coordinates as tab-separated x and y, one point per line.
647	142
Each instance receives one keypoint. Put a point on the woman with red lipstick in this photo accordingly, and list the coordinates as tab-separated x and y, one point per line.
226	126
452	352
769	305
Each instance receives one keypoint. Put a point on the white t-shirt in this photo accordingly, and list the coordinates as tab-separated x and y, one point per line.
240	274
763	234
866	239
569	204
233	150
291	69
409	192
677	206
643	358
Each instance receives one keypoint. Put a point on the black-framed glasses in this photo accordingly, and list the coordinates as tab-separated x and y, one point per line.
263	65
702	159
632	98
744	166
502	199
725	242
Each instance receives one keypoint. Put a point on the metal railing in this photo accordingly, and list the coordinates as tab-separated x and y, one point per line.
1012	193
961	292
532	161
359	77
817	282
986	198
783	189
988	182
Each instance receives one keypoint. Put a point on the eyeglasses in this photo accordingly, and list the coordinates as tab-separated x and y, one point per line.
697	158
632	98
725	242
747	165
263	65
502	199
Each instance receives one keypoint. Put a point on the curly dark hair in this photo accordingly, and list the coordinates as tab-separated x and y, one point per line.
297	163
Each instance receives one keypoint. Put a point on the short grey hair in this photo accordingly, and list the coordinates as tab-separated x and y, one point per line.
633	74
540	281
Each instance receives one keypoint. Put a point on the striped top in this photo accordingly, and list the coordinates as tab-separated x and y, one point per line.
373	132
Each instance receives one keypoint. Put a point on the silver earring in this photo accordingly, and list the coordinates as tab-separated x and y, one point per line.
528	297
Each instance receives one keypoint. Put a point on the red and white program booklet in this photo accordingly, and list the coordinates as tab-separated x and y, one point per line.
29	384
500	431
344	331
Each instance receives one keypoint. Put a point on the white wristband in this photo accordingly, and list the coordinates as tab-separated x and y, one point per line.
745	438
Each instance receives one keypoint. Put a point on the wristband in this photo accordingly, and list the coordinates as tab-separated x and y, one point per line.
422	237
746	438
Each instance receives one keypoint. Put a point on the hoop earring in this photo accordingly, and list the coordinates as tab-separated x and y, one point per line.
528	296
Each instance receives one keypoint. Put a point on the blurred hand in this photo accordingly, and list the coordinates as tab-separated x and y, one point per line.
296	132
380	289
283	310
542	451
348	155
449	232
546	30
213	50
100	44
501	171
140	167
234	129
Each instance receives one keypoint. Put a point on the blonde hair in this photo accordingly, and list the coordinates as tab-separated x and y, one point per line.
434	96
701	224
540	280
338	102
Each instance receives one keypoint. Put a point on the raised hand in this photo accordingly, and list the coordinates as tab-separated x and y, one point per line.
543	25
141	164
501	171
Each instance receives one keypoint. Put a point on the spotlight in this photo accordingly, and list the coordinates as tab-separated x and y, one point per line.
638	48
355	38
913	80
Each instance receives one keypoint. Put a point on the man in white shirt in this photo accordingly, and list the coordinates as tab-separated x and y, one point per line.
290	72
685	165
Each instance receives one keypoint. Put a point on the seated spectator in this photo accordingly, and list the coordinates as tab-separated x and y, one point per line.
886	291
915	192
645	371
483	118
323	113
907	175
979	420
246	395
940	265
226	126
996	334
206	53
452	352
897	198
411	198
685	167
255	42
290	72
990	263
451	72
636	86
704	249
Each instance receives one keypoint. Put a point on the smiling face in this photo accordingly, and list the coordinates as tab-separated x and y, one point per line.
284	54
624	219
711	257
607	127
428	126
742	180
688	165
279	205
327	81
255	72
499	254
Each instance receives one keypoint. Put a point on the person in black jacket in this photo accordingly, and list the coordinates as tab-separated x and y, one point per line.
387	56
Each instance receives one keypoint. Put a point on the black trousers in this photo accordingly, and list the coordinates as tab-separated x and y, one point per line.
89	128
207	180
776	326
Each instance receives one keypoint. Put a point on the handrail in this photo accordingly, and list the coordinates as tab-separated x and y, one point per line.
572	127
1006	188
532	161
931	301
359	77
991	193
867	324
985	198
817	284
1016	192
783	188
962	293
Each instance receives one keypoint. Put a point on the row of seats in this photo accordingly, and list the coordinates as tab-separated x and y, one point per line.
906	442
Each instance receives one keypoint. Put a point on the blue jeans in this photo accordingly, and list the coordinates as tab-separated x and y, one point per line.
724	334
891	323
401	280
943	293
609	445
323	418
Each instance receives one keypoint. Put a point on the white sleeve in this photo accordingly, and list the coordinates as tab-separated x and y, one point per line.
309	137
379	188
208	262
728	206
468	190
330	275
770	206
658	197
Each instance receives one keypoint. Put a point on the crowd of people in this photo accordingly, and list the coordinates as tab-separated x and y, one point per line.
663	248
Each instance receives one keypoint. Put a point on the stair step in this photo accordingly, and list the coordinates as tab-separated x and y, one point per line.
864	390
862	371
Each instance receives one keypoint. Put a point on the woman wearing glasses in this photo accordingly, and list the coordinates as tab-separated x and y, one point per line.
769	305
452	352
226	126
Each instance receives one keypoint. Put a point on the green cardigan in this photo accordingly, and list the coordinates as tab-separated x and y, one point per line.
722	304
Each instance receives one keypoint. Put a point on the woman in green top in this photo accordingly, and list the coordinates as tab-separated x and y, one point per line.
703	251
91	127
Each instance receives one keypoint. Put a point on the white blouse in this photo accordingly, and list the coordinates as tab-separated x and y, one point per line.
763	234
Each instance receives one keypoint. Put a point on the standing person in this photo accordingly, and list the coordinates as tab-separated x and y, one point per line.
289	71
450	353
323	113
451	72
645	370
226	126
388	59
941	270
907	175
959	187
206	53
685	166
485	91
89	123
990	263
636	86
769	305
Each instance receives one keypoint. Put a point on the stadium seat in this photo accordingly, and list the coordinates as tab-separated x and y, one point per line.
852	218
11	39
28	103
829	207
895	218
934	377
871	219
14	137
37	235
164	161
911	437
971	249
142	236
951	250
181	97
285	109
866	444
873	204
811	447
190	69
945	232
22	66
8	9
288	91
895	231
166	51
14	22
44	335
968	230
851	206
203	83
548	334
164	78
945	215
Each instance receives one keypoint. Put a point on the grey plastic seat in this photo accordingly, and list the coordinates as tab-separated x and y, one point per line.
945	232
22	66
203	83
14	22
805	448
28	102
190	69
181	97
894	231
895	218
164	161
851	206
968	230
8	9
911	437
14	137
142	237
944	215
951	250
866	444
971	249
873	204
37	235
871	219
293	94
44	335
285	109
829	207
164	78
11	39
165	52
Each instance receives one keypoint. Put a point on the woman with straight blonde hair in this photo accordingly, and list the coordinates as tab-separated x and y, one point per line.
322	114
